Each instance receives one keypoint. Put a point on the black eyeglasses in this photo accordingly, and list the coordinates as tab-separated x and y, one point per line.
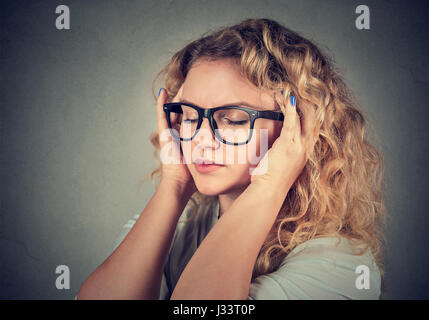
231	125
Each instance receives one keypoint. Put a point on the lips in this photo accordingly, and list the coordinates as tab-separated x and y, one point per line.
206	168
206	165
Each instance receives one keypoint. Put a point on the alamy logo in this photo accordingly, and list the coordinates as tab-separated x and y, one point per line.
63	20
362	281
248	153
362	21
63	280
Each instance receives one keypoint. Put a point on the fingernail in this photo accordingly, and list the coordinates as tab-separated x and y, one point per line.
283	91
292	101
159	92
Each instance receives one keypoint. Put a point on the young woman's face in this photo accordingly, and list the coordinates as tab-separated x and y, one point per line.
212	84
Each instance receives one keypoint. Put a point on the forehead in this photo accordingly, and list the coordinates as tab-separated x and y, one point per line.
210	84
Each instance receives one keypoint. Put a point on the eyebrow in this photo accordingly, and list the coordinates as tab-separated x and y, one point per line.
239	103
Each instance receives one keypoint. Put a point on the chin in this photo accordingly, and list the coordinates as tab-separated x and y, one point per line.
209	189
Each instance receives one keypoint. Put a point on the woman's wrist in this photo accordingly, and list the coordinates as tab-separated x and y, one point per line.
179	190
273	185
270	191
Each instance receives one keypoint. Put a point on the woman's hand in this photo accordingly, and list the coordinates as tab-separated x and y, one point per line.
173	169
284	161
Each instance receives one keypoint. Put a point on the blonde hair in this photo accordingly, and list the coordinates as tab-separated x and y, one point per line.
340	190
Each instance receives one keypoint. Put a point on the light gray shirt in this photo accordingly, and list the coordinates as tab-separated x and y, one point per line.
315	269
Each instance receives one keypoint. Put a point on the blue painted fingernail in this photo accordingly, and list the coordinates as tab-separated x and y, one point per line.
283	91
292	101
159	92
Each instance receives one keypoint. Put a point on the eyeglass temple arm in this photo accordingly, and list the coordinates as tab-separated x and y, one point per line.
173	108
271	115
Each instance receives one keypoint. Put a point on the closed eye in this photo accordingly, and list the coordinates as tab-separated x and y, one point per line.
236	123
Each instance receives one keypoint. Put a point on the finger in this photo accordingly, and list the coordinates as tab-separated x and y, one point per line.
289	122
160	114
297	130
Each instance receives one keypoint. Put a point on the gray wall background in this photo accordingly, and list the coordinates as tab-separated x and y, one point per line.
77	112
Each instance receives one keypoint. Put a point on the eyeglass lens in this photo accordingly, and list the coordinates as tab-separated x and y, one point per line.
233	125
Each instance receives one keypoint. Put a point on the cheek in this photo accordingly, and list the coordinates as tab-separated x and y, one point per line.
186	152
261	142
258	145
274	133
269	133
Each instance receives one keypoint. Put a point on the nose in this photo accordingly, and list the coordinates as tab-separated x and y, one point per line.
205	137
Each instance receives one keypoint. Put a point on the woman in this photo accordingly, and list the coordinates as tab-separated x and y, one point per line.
305	225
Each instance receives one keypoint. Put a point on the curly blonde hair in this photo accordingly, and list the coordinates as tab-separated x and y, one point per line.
340	190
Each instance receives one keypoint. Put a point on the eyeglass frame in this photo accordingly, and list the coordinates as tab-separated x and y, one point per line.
208	113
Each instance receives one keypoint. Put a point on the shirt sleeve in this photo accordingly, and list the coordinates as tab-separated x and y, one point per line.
320	272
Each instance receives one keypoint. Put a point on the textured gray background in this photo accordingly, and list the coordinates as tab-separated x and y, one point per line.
77	112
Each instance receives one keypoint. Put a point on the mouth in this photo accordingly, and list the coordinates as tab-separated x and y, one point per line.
205	166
